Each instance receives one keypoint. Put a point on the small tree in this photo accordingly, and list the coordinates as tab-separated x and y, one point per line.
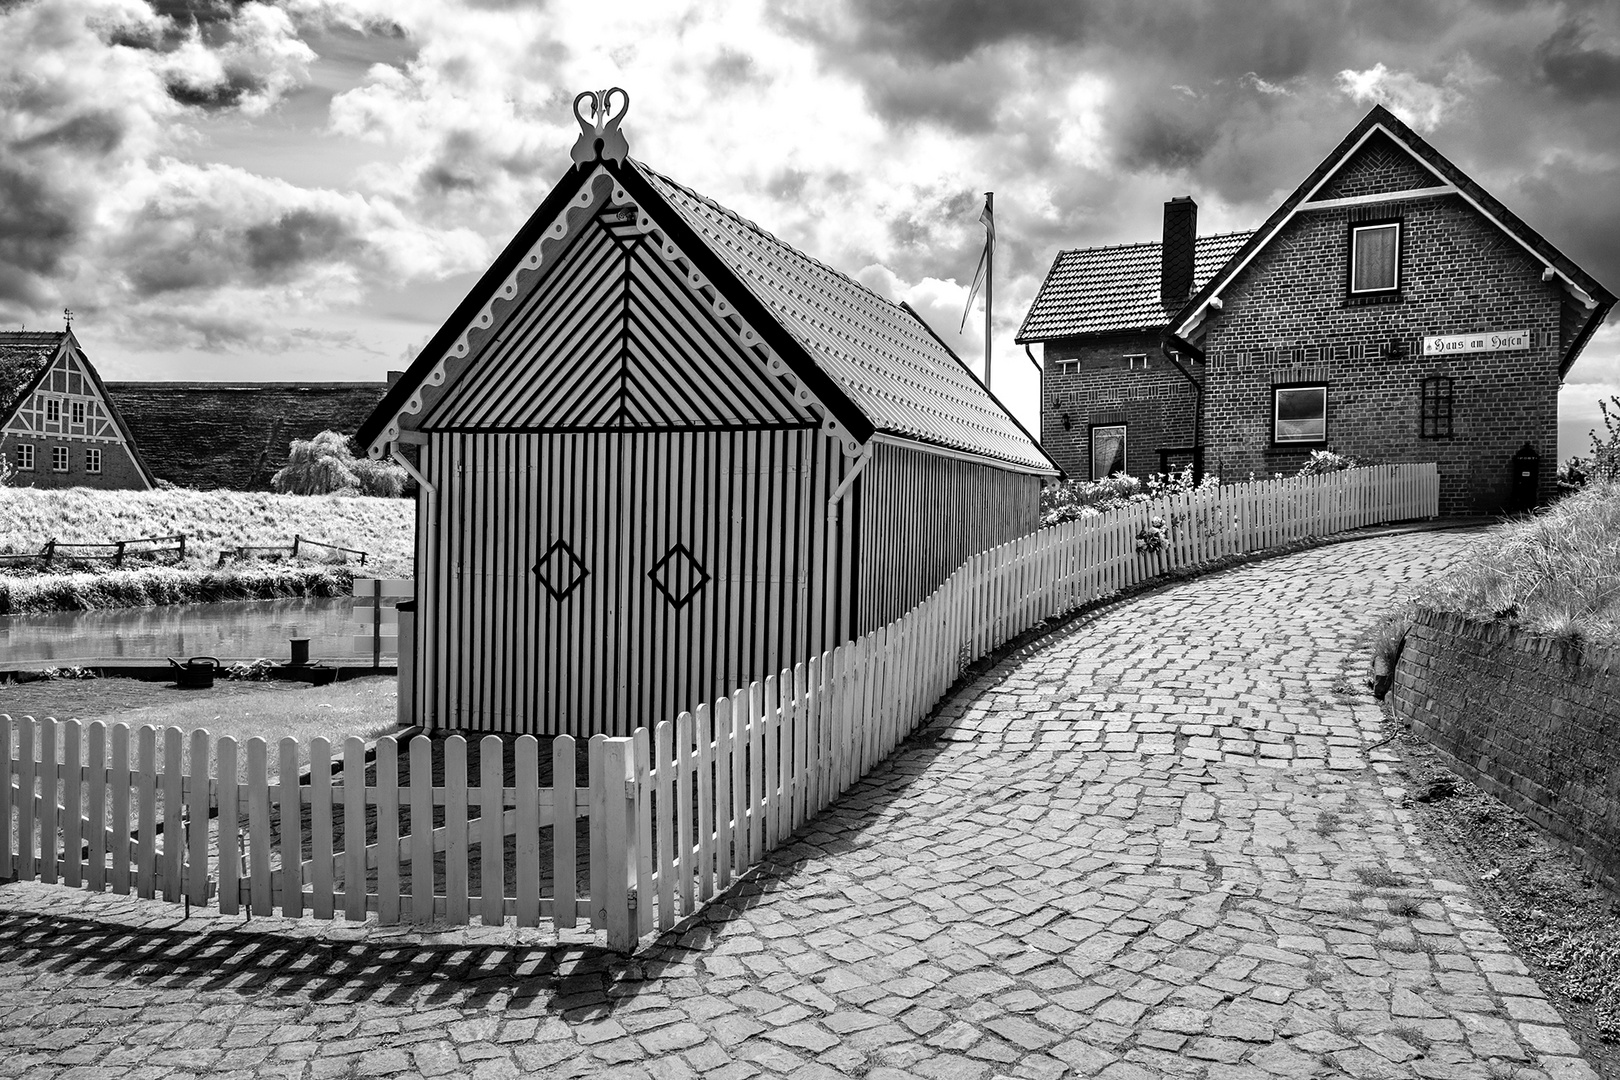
325	465
1605	463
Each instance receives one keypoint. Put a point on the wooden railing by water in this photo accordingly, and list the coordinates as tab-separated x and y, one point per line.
669	817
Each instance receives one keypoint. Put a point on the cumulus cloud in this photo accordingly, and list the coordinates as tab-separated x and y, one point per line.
99	102
1422	105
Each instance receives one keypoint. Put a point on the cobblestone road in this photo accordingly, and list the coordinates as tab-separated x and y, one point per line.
1153	846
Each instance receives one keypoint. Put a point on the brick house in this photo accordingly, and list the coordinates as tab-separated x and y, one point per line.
1390	309
58	426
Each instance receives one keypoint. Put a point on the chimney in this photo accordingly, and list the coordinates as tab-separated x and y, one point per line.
1176	255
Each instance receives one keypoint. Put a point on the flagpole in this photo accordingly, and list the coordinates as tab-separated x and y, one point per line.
989	286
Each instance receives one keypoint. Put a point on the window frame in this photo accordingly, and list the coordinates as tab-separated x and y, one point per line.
1357	227
66	458
1124	448
25	457
1288	443
78	412
1445	387
92	460
53	410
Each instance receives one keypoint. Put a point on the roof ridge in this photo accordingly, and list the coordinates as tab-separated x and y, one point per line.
1153	243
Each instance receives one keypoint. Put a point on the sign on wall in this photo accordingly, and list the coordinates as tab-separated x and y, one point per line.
1494	341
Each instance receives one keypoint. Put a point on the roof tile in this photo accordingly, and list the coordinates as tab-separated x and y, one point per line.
1105	289
904	380
22	354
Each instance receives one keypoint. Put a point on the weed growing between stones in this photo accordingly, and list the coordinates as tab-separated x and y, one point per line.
1403	906
1326	822
1377	877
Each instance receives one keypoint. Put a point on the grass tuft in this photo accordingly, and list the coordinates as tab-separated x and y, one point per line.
1556	573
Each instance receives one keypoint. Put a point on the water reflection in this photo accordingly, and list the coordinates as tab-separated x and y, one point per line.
249	628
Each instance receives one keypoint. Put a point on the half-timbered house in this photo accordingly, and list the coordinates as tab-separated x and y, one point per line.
663	453
59	427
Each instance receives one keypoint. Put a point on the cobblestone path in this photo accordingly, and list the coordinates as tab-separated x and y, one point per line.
1156	845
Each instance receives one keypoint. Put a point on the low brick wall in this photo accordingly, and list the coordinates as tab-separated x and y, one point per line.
1529	719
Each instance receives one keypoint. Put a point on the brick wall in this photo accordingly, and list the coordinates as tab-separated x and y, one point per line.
1087	382
118	471
1530	721
1287	318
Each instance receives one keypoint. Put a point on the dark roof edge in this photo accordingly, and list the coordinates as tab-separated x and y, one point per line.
1377	115
1599	313
243	384
1033	441
1146	328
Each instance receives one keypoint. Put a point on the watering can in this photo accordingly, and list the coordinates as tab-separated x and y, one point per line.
195	674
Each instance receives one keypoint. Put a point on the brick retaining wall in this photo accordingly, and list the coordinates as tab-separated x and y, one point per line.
1529	719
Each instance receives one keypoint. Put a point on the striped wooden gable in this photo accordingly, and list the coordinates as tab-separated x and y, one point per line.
613	335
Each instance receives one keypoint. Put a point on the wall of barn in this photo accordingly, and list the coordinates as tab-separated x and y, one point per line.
598	581
922	515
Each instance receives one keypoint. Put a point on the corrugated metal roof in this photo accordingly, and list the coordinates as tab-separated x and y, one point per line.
889	364
1104	289
23	354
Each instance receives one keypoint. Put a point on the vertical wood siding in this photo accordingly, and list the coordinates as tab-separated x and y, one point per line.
922	515
594	582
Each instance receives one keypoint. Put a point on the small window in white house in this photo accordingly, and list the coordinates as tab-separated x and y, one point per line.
1375	258
53	410
92	459
1299	414
1107	450
25	457
59	459
78	412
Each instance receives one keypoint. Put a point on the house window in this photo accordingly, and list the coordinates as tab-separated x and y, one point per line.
1436	407
25	457
1107	450
1375	258
92	460
53	410
78	412
1298	414
1139	360
59	459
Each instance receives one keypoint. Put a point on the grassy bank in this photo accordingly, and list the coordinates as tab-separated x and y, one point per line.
212	522
1557	573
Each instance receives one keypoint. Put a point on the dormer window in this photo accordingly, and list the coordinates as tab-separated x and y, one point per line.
1375	258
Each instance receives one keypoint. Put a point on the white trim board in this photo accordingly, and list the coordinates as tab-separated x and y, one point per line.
1381	197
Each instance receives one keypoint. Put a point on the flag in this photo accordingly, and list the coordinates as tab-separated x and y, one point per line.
988	218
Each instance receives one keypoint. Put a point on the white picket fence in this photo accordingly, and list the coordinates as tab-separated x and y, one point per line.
673	815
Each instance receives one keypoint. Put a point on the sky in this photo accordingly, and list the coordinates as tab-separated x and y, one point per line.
305	189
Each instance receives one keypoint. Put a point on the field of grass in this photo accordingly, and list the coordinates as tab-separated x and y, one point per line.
270	711
1557	573
211	521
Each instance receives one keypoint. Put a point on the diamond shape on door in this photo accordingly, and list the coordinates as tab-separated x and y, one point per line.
678	575
560	570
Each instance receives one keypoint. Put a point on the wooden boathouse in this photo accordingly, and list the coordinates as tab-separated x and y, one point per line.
662	453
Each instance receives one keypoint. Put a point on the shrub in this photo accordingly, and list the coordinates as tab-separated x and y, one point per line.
1073	499
325	465
1326	461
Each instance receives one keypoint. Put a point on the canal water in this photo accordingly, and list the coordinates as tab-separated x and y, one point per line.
245	629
